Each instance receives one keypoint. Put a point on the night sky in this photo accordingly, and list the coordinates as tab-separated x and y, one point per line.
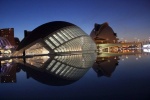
130	19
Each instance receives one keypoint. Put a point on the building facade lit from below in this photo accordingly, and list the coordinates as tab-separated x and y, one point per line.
8	33
54	38
5	46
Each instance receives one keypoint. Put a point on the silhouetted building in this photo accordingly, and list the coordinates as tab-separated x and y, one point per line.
26	33
8	33
55	37
17	42
105	66
103	33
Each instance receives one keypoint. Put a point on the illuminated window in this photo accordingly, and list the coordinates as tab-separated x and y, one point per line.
59	39
56	43
62	36
65	34
68	33
50	45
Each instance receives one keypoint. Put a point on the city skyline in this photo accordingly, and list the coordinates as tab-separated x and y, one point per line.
129	19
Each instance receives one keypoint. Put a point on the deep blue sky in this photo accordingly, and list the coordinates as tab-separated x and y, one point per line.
128	18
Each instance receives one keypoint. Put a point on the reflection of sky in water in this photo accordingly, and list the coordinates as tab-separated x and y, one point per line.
129	78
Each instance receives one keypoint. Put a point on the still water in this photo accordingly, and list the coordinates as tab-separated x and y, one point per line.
76	77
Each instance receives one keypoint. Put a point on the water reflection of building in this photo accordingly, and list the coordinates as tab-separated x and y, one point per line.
65	68
55	37
105	66
8	71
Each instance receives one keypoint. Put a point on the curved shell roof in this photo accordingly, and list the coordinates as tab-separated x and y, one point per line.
100	28
42	31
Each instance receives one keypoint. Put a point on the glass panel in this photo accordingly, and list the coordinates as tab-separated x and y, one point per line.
59	39
71	33
65	34
56	43
62	36
50	45
68	33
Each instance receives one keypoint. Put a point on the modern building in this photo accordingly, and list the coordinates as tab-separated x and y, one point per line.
103	33
17	42
56	37
8	33
5	46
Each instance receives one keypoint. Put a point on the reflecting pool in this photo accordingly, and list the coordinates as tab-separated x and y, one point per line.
76	77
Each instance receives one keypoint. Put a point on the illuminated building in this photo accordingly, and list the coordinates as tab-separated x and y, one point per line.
5	46
103	33
8	33
54	38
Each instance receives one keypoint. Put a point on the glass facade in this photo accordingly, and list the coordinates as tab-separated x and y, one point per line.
69	39
36	49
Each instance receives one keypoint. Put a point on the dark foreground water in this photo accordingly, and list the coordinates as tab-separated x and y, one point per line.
110	78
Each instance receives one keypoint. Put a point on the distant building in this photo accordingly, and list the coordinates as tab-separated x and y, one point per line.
8	33
103	33
17	42
26	33
5	46
55	37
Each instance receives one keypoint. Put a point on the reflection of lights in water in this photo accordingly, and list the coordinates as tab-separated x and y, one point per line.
146	46
126	57
122	59
146	50
137	58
